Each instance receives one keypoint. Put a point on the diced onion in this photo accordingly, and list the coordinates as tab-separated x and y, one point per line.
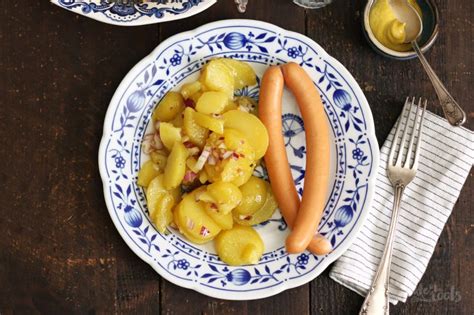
212	160
188	144
202	159
147	144
189	177
227	154
204	231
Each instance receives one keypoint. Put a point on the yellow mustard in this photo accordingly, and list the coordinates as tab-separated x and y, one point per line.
388	30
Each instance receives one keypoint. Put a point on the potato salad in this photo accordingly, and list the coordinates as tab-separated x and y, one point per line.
202	152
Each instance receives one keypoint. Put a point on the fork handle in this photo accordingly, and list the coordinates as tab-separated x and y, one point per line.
377	300
452	111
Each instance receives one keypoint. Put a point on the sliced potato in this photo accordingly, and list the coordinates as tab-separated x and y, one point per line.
196	133
212	102
230	106
178	120
205	196
242	72
203	177
169	134
211	123
226	196
225	221
157	187
159	158
236	141
216	76
254	195
251	127
193	221
162	215
175	166
147	172
191	164
213	175
189	89
160	202
189	236
171	104
240	245
262	215
237	171
154	191
176	193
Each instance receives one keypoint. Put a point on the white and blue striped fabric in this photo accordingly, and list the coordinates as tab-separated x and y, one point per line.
447	155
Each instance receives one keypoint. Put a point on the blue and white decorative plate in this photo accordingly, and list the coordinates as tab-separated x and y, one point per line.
354	155
153	11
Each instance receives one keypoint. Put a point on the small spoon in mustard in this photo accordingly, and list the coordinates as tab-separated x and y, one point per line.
407	14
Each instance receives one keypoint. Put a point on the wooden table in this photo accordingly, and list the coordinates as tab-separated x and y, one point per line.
59	251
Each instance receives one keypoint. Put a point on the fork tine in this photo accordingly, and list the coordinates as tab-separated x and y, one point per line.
420	129
402	142
395	136
412	138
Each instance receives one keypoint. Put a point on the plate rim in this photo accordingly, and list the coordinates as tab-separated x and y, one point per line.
141	22
329	259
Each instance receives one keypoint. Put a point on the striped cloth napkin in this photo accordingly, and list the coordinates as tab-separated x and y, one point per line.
446	157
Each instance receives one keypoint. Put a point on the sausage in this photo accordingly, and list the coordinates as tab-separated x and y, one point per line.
276	160
317	157
319	245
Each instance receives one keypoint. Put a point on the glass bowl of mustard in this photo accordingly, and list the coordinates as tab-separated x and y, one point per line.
386	34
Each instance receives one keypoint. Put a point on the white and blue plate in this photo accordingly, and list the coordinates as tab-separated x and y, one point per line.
354	153
154	11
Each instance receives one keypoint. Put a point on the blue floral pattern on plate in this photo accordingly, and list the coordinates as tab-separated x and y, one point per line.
354	157
153	11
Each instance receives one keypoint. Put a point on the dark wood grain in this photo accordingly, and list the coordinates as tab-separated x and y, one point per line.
59	250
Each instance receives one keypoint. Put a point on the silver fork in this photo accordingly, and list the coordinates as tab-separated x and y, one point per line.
401	170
